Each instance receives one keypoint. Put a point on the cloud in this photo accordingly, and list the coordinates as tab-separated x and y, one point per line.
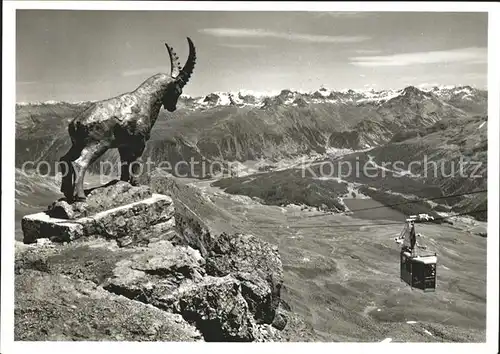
409	78
368	51
342	14
428	85
297	37
149	71
26	82
472	55
242	46
479	61
475	76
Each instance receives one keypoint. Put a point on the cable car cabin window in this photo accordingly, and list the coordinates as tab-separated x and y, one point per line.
406	268
418	275
408	265
430	277
430	270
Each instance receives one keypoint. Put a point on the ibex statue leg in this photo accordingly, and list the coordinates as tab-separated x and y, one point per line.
88	156
131	163
124	163
136	167
67	171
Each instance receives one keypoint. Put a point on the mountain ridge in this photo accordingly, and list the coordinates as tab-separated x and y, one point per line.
289	96
287	125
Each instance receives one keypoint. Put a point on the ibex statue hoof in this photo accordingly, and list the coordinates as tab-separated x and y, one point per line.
123	122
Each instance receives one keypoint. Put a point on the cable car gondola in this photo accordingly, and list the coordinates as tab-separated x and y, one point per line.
418	271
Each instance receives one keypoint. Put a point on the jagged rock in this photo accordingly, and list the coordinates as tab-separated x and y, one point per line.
280	321
256	263
164	258
257	293
112	195
216	306
172	278
44	242
29	258
299	101
267	333
285	306
340	204
53	307
154	271
249	99
193	232
212	98
253	261
41	225
249	258
91	260
61	209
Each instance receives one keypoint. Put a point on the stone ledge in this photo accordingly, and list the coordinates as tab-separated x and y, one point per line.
99	199
128	224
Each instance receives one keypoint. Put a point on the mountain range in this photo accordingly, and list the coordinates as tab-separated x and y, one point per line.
261	132
450	94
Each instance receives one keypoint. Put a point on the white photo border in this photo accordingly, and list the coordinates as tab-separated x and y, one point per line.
8	345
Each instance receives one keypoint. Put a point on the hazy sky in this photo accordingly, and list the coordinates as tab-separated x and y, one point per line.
81	55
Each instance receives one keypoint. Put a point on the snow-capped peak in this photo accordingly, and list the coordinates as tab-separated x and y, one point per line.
51	102
465	92
297	97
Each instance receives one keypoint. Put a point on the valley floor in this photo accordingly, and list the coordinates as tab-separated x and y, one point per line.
342	272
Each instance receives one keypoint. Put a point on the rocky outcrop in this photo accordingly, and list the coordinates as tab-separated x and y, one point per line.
183	284
54	307
255	263
216	306
212	98
258	267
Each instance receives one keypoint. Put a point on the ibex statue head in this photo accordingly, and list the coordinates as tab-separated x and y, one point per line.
179	75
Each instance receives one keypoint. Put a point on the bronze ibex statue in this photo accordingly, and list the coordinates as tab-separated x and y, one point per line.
122	122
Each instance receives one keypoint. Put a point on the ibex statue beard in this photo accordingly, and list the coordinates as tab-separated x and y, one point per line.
122	122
